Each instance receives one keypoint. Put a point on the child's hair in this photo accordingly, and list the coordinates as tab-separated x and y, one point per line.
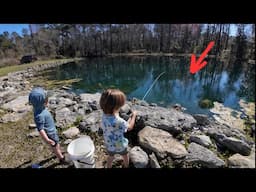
111	100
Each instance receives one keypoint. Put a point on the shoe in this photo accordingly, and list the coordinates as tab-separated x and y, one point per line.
65	160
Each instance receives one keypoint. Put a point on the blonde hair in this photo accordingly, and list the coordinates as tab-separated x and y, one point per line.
112	100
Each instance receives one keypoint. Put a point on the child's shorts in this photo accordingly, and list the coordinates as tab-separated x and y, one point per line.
55	138
112	153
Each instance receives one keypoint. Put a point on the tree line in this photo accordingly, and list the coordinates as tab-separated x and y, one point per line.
83	40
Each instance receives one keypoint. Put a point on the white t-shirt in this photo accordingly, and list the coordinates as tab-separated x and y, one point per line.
114	128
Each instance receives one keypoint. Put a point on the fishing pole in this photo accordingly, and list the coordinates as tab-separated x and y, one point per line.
152	85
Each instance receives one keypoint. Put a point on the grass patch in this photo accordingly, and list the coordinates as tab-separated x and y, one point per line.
5	70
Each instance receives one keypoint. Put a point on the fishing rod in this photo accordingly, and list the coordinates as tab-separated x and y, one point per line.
152	85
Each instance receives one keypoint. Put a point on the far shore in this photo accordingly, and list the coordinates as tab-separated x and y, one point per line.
157	54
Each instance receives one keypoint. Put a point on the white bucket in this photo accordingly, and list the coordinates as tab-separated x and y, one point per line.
81	152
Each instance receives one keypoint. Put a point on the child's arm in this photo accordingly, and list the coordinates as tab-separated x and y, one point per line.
131	120
46	138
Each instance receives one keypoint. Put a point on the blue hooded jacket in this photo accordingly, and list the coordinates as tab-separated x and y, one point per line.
42	116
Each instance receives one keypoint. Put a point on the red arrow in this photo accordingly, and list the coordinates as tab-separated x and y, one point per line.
197	65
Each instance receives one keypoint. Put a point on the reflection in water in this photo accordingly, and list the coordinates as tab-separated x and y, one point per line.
218	81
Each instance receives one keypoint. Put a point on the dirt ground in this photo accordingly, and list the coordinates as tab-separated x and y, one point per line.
17	150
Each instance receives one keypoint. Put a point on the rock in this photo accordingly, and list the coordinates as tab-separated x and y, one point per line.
167	119
182	142
67	141
86	97
12	117
35	133
32	126
93	105
153	104
153	161
248	108
161	142
201	119
53	100
18	104
201	140
82	109
142	103
177	107
71	132
239	161
227	116
252	130
65	88
125	109
124	116
203	156
233	144
138	157
91	121
65	102
218	129
66	95
64	117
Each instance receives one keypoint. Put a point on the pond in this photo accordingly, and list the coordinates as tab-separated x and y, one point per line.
225	82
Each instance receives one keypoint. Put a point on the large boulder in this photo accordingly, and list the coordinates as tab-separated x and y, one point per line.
19	105
233	144
203	156
138	157
167	119
161	142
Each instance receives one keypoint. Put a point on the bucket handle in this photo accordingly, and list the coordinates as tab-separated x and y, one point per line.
79	161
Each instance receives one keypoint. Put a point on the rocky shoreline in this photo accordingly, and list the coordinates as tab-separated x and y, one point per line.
162	137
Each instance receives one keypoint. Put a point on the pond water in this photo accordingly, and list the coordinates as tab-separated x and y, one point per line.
218	81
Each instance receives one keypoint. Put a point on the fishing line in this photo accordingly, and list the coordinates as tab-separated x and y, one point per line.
152	85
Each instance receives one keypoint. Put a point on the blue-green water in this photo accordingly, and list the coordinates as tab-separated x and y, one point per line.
218	81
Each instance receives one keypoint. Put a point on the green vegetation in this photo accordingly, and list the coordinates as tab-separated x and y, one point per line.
5	70
79	40
50	84
206	103
78	120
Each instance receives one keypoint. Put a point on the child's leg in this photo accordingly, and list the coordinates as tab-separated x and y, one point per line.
126	160
110	160
58	152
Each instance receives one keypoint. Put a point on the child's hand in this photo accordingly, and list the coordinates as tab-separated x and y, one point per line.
51	142
134	113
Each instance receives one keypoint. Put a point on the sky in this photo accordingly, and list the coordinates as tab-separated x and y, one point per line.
12	27
18	28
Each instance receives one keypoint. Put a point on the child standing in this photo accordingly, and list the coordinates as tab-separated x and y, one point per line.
44	121
114	126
